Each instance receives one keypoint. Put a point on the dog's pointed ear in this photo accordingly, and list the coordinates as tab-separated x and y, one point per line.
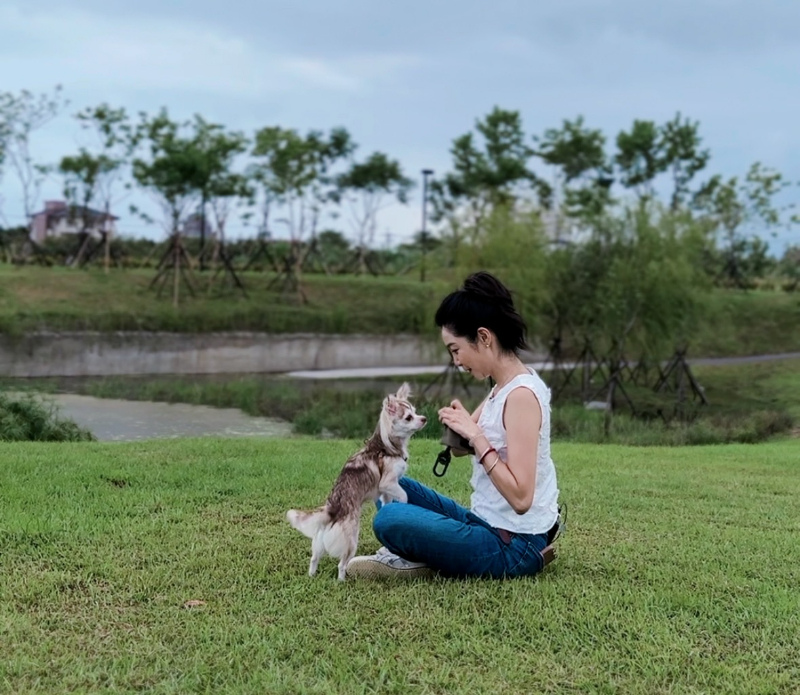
404	391
390	405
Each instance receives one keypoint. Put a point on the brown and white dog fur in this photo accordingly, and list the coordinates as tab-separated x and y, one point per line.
372	472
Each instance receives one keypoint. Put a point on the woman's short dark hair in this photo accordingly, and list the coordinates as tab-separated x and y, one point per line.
483	302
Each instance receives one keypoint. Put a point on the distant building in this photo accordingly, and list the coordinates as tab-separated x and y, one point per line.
59	218
194	223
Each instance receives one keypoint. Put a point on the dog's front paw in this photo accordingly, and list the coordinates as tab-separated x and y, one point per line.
401	496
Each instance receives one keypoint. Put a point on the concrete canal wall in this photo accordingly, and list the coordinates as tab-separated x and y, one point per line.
106	354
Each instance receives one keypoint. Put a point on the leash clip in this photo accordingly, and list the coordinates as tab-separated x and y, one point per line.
442	462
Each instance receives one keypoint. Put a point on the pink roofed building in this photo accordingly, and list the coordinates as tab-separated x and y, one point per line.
59	218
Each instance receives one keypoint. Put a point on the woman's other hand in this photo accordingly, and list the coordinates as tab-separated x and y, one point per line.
458	418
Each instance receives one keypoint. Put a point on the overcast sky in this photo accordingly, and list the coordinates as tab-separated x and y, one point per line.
408	77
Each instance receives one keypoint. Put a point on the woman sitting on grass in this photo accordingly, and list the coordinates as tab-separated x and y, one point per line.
514	515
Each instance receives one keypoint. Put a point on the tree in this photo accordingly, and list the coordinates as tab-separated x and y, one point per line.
4	135
584	172
422	243
635	287
217	184
334	248
490	169
82	176
650	292
736	213
20	116
790	268
513	246
648	150
91	177
364	187
172	174
680	143
294	172
640	157
173	169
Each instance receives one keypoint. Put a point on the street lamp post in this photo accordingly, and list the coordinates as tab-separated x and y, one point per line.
424	233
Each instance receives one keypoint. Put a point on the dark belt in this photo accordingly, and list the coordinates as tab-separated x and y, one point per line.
507	536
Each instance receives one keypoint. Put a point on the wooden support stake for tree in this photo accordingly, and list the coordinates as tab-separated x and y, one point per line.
262	249
312	254
83	246
288	278
176	266
447	381
176	261
226	268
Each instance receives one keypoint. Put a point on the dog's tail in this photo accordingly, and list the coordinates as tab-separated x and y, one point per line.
308	523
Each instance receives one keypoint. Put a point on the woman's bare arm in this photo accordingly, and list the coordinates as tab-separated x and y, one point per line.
515	478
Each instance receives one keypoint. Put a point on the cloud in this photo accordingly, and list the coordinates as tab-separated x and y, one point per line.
694	26
80	48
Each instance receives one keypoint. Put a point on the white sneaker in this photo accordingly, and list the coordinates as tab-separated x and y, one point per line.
384	564
562	522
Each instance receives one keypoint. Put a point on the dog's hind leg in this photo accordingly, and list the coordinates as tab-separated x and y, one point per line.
317	553
350	550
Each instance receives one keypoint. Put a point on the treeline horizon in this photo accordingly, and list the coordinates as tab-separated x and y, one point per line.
289	184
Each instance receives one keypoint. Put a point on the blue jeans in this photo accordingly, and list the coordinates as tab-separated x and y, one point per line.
435	530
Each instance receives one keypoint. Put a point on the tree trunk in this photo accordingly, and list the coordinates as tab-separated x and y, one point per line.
176	280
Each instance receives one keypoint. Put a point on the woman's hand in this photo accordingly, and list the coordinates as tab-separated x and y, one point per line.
457	418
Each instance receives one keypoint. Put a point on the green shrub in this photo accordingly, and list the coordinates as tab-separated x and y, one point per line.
25	418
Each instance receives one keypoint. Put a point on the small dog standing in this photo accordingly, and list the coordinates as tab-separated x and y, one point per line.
373	471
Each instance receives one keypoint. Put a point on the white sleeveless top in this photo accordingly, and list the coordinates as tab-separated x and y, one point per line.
487	502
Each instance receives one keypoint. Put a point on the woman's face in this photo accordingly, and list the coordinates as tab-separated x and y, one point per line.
471	357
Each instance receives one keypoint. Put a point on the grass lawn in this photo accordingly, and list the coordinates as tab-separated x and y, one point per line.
679	573
35	298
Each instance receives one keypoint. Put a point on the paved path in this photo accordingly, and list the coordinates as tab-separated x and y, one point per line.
116	420
372	372
744	360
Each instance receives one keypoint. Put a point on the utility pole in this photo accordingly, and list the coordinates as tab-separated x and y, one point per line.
424	233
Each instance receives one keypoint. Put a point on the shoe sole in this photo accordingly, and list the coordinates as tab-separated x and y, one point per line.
367	568
373	569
